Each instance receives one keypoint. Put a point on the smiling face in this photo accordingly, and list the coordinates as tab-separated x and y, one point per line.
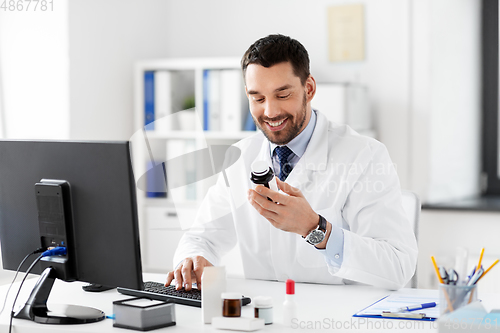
279	103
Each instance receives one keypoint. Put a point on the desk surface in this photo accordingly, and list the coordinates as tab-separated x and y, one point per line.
327	307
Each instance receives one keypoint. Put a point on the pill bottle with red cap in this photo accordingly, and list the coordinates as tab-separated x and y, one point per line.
289	306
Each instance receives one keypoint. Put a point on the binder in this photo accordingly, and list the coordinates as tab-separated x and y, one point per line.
156	180
206	84
163	101
249	123
231	100
149	100
214	100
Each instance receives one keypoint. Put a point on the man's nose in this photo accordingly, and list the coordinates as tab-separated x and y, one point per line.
272	109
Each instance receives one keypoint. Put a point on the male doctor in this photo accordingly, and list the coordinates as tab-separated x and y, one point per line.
338	216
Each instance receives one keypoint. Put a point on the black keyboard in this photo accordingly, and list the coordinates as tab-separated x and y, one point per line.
158	291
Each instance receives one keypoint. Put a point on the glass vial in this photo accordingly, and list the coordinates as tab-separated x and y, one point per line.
231	306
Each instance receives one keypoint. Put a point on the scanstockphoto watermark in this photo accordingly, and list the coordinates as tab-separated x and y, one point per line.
362	324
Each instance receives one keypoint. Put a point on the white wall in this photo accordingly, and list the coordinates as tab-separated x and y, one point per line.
106	38
2	107
34	64
445	100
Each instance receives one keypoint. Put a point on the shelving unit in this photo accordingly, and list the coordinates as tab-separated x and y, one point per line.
162	221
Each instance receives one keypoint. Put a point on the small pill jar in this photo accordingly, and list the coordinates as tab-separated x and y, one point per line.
262	174
231	305
263	308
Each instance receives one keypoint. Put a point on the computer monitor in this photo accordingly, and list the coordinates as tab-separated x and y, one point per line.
78	195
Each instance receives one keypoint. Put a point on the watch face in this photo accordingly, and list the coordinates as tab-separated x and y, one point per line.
316	236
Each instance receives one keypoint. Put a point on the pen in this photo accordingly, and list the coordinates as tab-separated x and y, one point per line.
470	275
475	277
389	314
417	307
473	280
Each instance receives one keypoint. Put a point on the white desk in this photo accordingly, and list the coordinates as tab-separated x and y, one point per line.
320	305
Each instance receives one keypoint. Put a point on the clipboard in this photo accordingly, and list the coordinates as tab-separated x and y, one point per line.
384	307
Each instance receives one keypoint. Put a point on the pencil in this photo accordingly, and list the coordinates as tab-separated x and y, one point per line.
480	259
450	306
437	270
486	271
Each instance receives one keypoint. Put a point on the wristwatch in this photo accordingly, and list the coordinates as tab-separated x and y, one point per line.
317	235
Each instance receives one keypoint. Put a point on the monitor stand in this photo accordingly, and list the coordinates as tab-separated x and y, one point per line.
36	309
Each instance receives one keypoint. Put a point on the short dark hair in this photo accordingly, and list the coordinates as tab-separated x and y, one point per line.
275	49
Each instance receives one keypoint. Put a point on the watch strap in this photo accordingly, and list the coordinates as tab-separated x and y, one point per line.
322	223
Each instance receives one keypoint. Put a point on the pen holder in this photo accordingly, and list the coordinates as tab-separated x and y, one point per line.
452	297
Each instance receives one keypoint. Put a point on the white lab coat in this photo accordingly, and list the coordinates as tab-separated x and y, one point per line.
347	178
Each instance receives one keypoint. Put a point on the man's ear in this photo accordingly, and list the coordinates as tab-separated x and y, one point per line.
310	88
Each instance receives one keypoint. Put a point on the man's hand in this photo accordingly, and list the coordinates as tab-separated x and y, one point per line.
189	271
292	214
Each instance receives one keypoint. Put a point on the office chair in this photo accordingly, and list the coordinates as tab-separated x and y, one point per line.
411	205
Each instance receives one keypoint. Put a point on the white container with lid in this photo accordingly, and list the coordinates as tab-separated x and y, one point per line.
263	308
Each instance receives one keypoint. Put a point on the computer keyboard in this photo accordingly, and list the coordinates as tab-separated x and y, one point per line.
157	291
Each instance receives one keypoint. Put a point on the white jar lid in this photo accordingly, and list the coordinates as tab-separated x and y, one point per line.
260	167
230	296
262	302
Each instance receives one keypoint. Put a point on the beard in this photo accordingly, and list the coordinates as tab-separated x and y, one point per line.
293	127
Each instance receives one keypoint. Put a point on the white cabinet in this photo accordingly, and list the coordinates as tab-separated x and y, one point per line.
175	139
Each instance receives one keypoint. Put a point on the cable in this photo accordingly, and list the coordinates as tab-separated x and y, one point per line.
51	252
39	250
22	282
56	251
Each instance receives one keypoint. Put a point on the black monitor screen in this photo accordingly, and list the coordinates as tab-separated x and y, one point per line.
103	203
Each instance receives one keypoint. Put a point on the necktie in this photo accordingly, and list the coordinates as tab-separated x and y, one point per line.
284	153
